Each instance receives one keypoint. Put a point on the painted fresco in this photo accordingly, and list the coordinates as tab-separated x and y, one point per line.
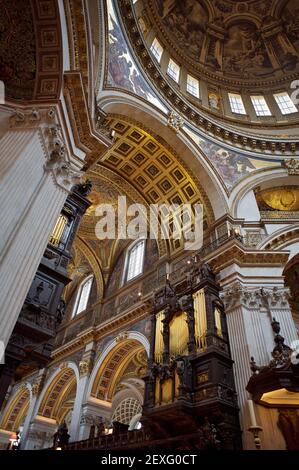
122	70
231	165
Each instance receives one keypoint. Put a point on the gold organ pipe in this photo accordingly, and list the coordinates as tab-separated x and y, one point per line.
179	335
159	345
58	230
217	316
200	319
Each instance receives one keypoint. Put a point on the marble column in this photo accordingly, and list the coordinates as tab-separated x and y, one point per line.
37	172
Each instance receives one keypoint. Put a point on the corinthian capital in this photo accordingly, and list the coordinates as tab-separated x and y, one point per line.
251	297
31	118
57	162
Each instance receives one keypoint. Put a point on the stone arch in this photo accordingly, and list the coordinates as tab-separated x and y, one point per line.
263	179
112	362
55	398
281	239
16	409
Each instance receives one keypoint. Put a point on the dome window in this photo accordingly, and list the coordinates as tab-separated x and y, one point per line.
285	103
192	86
236	103
260	105
173	70
157	50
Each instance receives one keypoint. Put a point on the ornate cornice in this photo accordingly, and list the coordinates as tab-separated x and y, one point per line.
90	142
235	252
238	295
201	120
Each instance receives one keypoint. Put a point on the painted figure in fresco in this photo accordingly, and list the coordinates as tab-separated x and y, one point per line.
187	21
231	166
122	70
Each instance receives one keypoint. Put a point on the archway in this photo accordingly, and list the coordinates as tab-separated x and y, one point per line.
116	388
16	410
59	396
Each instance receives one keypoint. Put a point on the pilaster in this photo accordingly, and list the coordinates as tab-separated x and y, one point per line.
37	171
249	312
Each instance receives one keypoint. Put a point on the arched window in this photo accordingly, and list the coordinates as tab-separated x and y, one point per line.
83	295
134	261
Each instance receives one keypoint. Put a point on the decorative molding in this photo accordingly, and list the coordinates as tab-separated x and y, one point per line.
57	162
85	367
255	298
87	419
235	252
92	143
121	337
292	166
175	121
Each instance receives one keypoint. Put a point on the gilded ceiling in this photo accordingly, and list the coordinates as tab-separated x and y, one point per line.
31	52
231	39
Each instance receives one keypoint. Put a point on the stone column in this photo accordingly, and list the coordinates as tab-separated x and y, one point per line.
91	412
40	433
84	368
249	312
37	172
36	388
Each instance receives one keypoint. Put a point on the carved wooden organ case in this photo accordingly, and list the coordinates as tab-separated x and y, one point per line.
190	385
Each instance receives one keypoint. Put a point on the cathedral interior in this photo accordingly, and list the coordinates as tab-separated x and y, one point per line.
146	341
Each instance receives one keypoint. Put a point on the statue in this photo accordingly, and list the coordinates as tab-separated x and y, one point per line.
61	436
83	188
60	312
206	271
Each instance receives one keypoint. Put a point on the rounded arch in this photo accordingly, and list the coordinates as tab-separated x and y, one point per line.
282	239
114	357
93	261
58	389
157	120
238	18
264	178
17	408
